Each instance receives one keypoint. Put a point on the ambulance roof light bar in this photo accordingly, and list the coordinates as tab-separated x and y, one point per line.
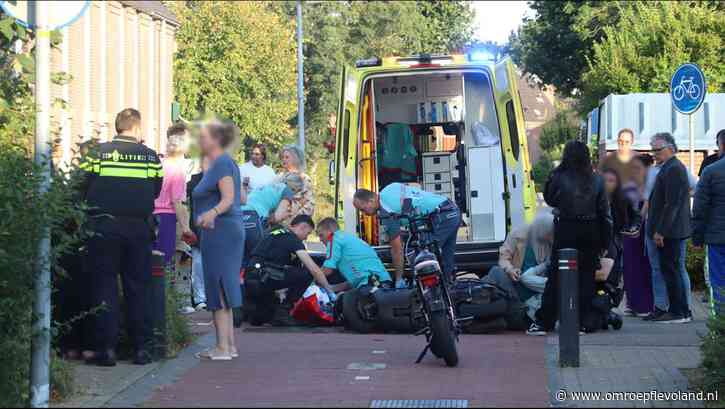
368	62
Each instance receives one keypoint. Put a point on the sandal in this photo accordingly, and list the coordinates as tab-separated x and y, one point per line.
209	355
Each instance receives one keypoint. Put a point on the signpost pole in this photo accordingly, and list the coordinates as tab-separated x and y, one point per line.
691	133
40	344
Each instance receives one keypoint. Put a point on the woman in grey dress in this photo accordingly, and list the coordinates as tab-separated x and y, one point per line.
217	211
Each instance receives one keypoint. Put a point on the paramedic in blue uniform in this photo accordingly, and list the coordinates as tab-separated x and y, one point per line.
351	256
267	205
443	214
122	178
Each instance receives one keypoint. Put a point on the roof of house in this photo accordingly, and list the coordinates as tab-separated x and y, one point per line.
537	103
154	8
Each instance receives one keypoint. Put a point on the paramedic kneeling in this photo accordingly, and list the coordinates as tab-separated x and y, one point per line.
444	216
355	259
281	261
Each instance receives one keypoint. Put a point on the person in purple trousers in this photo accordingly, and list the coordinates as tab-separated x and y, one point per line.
169	206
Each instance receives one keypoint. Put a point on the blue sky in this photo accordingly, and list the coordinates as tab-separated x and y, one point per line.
495	19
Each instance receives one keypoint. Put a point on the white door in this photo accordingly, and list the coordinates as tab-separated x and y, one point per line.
486	187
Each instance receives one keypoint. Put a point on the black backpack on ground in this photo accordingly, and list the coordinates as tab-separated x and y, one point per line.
489	307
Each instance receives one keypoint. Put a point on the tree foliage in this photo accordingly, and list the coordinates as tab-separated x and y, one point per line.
236	60
649	41
341	32
595	48
548	46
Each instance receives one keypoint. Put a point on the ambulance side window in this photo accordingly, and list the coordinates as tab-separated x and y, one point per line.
346	137
513	129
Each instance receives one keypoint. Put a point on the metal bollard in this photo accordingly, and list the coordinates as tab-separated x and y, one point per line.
157	307
568	308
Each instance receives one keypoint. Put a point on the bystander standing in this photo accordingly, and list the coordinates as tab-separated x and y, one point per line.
583	222
169	207
668	222
709	224
256	173
218	213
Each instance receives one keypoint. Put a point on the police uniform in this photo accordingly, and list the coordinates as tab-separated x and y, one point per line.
274	266
444	216
260	203
122	180
354	259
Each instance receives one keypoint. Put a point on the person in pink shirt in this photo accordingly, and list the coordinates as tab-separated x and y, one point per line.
168	207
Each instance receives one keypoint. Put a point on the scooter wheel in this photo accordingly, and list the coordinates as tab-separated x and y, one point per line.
352	305
443	340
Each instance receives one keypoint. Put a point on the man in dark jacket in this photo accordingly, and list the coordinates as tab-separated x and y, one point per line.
709	227
720	138
668	220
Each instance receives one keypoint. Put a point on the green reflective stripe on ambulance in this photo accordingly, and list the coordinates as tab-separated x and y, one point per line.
126	173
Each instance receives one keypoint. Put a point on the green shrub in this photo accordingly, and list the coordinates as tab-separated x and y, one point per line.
178	333
62	379
540	172
713	358
696	266
25	213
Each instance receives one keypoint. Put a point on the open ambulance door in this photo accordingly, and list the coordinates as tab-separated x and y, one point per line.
346	150
521	193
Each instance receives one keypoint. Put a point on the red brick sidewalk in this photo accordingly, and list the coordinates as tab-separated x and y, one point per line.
314	369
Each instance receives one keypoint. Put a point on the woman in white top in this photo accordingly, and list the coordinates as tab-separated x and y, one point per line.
256	173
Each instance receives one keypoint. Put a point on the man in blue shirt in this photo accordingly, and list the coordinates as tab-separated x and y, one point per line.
442	213
354	258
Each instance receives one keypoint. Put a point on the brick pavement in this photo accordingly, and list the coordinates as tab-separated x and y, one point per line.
331	369
642	357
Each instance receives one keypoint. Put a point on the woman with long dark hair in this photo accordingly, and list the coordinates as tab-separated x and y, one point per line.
582	222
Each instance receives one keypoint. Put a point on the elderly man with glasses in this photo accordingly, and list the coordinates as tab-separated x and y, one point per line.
668	226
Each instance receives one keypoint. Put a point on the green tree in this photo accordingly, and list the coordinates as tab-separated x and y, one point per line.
555	43
237	60
650	40
341	32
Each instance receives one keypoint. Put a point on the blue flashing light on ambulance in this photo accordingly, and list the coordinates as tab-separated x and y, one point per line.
449	124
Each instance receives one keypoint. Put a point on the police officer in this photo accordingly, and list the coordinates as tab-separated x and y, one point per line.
443	214
122	178
281	261
354	258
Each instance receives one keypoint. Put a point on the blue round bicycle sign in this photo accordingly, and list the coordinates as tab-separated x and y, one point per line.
688	88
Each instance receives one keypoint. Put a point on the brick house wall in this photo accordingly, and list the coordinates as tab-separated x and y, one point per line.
119	55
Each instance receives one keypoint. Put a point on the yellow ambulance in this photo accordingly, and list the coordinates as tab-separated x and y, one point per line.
449	124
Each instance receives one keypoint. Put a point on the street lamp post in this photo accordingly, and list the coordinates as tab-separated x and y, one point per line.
40	344
300	82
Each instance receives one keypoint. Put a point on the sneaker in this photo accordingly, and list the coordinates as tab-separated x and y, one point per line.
536	330
688	317
201	306
670	318
653	315
187	310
